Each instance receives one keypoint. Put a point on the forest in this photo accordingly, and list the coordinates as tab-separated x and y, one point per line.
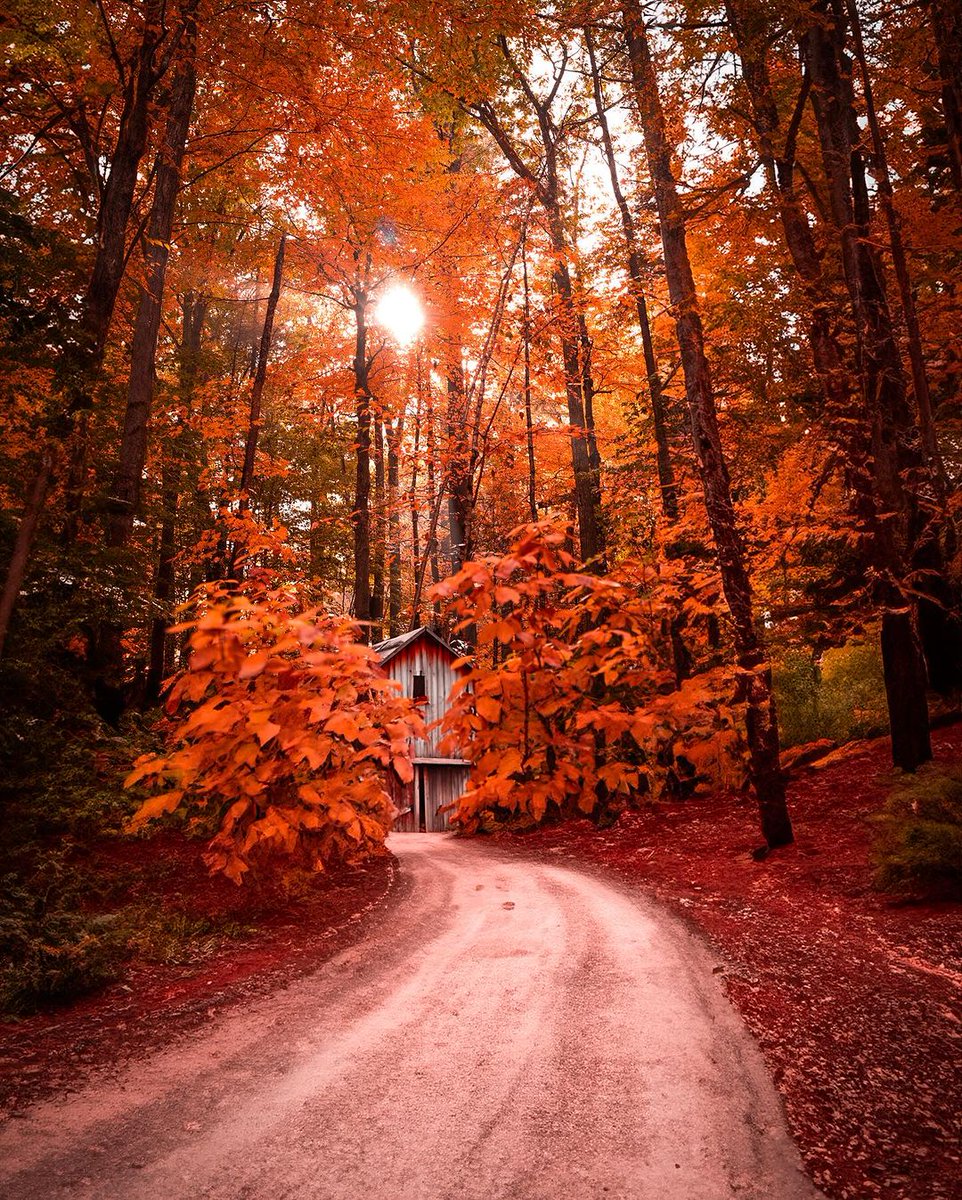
618	344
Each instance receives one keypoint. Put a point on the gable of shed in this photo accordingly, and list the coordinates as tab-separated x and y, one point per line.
392	647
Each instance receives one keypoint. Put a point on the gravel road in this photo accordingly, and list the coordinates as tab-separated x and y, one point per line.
509	1030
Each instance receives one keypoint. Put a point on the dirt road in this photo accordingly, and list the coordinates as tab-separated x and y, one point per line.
510	1030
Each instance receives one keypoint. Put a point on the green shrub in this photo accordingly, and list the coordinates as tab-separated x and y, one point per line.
177	937
796	680
48	955
839	696
918	836
853	692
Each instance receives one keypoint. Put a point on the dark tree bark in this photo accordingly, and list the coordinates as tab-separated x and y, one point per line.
436	495
848	412
938	606
125	495
361	514
762	723
899	523
946	19
378	555
159	664
636	273
886	194
260	377
415	465
395	432
528	423
460	476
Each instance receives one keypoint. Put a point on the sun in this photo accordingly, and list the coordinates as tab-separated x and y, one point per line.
399	311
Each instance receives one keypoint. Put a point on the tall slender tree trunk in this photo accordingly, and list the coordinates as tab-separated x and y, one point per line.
762	723
947	26
436	496
260	377
899	522
378	555
940	627
194	309
528	422
460	478
636	274
395	432
413	503
125	495
848	412
886	194
254	418
584	450
361	514
545	181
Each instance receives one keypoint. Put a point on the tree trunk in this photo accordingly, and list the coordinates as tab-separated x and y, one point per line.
125	497
460	478
546	184
110	261
194	309
436	494
761	719
899	521
938	607
886	193
395	432
378	548
584	453
413	495
361	514
528	424
260	377
636	274
947	26
29	520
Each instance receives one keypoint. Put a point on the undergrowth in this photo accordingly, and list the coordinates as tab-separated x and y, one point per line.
839	696
69	919
918	836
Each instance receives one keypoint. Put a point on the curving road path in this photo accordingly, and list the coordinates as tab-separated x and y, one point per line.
509	1030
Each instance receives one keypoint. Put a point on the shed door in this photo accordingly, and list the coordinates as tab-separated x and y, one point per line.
404	796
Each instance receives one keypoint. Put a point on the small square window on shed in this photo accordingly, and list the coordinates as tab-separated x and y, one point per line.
420	690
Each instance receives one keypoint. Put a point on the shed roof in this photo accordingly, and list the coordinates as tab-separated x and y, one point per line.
393	646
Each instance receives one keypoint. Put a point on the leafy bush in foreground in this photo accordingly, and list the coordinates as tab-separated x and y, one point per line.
288	725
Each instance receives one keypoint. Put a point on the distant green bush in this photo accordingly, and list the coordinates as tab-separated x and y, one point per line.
918	836
839	696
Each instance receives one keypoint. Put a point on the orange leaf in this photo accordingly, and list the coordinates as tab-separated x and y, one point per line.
403	768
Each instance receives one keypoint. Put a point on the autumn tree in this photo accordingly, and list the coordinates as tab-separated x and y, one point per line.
762	723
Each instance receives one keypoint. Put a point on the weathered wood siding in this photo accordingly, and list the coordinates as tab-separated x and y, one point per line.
442	785
404	797
425	658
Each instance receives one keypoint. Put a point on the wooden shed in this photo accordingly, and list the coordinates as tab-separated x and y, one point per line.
421	662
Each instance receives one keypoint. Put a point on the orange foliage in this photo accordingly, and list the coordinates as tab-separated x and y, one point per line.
576	709
287	726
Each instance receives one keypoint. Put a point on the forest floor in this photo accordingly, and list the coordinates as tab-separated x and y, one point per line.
855	999
256	940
